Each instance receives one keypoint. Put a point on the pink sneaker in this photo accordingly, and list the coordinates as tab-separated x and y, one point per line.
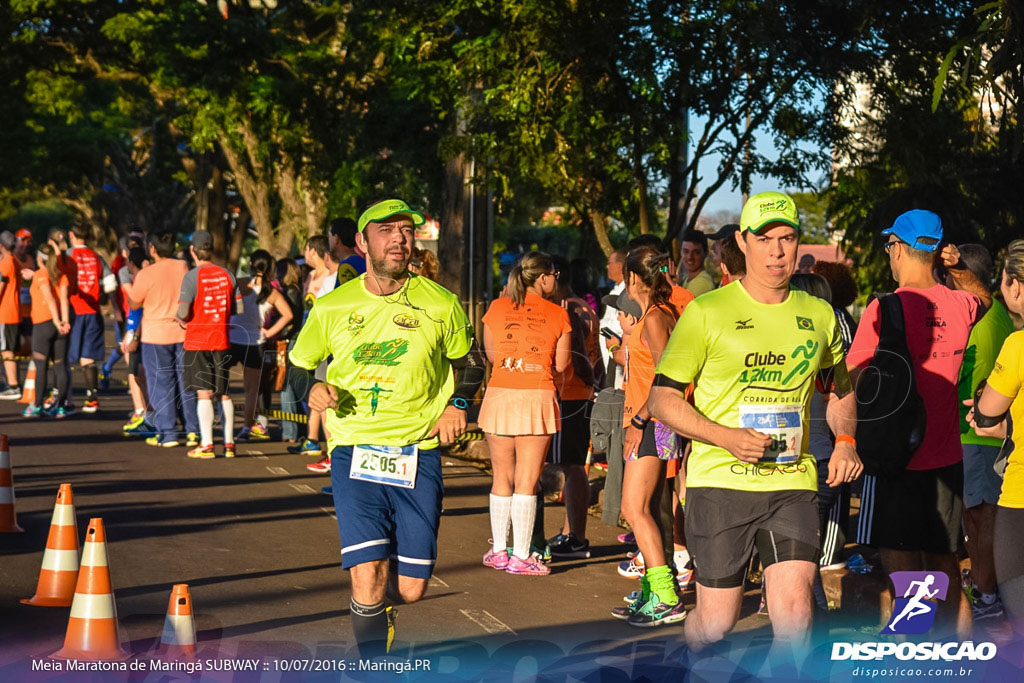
496	560
627	538
532	566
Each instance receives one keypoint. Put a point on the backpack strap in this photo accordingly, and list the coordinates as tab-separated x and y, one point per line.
893	330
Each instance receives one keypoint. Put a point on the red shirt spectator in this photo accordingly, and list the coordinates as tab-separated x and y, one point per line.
938	324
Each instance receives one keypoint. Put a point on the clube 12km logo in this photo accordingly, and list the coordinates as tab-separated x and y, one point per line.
913	613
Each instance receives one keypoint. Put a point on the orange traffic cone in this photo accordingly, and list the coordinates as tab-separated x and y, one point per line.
92	633
59	574
8	517
179	636
28	387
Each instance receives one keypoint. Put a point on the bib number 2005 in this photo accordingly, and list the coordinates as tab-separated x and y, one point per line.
389	465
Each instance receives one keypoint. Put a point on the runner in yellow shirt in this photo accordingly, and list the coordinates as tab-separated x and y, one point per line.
391	396
753	350
1004	394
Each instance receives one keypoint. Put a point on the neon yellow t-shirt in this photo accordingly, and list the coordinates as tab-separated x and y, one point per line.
753	365
1007	378
390	359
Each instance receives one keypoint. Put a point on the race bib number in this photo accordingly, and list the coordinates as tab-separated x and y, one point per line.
782	423
388	465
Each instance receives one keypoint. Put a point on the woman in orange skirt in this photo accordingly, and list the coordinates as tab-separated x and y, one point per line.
526	337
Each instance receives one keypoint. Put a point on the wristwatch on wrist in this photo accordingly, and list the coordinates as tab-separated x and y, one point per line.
460	403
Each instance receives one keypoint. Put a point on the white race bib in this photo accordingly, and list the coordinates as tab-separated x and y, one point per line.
783	423
388	465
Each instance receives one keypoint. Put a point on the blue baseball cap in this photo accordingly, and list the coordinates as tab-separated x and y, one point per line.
915	224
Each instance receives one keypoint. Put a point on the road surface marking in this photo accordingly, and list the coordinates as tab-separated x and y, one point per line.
330	511
435	581
487	621
277	470
303	488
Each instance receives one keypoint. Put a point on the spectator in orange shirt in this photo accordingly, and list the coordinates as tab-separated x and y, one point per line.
10	314
526	337
50	328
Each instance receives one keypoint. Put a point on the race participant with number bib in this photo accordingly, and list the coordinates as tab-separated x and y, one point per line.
399	383
752	351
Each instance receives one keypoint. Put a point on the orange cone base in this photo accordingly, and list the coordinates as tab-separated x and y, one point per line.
57	589
98	641
12	529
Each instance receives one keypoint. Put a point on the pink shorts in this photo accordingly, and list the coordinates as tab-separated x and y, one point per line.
519	412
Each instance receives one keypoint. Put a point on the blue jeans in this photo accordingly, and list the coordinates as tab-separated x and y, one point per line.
165	373
290	404
115	353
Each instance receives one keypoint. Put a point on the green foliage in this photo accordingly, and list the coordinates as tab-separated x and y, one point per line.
813	208
955	160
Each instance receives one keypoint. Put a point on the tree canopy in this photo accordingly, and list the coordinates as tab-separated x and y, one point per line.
183	114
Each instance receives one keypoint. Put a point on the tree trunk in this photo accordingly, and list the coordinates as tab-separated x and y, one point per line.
240	229
254	185
451	247
641	186
600	223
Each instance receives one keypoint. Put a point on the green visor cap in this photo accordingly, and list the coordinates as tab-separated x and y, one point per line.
766	208
381	211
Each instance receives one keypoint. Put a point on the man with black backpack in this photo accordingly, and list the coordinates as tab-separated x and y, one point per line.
912	503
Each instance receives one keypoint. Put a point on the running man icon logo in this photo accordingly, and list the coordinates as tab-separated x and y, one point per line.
914	613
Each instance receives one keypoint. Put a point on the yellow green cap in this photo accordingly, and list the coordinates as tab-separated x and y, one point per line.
381	211
766	208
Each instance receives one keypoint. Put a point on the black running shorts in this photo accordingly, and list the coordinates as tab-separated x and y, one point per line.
207	371
723	526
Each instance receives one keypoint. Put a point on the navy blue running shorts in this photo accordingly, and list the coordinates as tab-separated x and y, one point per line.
86	338
380	522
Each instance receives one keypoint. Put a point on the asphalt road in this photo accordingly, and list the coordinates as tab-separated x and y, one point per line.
258	546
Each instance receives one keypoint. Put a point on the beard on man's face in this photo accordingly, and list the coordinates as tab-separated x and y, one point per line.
394	269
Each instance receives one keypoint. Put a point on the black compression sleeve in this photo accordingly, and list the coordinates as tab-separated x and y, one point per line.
469	374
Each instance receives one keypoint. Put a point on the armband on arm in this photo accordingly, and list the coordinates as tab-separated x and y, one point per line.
469	374
663	381
981	419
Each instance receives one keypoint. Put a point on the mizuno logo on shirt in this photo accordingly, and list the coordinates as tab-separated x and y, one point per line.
744	324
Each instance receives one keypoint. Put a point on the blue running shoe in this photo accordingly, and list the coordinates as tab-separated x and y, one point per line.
307	447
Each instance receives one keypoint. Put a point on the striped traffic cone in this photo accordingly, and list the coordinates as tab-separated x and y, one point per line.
92	633
28	387
8	517
59	573
179	636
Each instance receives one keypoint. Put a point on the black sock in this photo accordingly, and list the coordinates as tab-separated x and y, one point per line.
92	378
370	625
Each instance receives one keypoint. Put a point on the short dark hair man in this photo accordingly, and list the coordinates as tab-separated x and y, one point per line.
209	297
94	282
393	337
342	237
155	289
692	253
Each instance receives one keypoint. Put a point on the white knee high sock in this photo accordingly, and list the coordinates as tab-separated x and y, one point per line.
501	513
227	419
204	407
524	512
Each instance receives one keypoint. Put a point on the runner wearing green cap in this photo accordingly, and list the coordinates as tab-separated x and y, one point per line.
753	351
402	373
